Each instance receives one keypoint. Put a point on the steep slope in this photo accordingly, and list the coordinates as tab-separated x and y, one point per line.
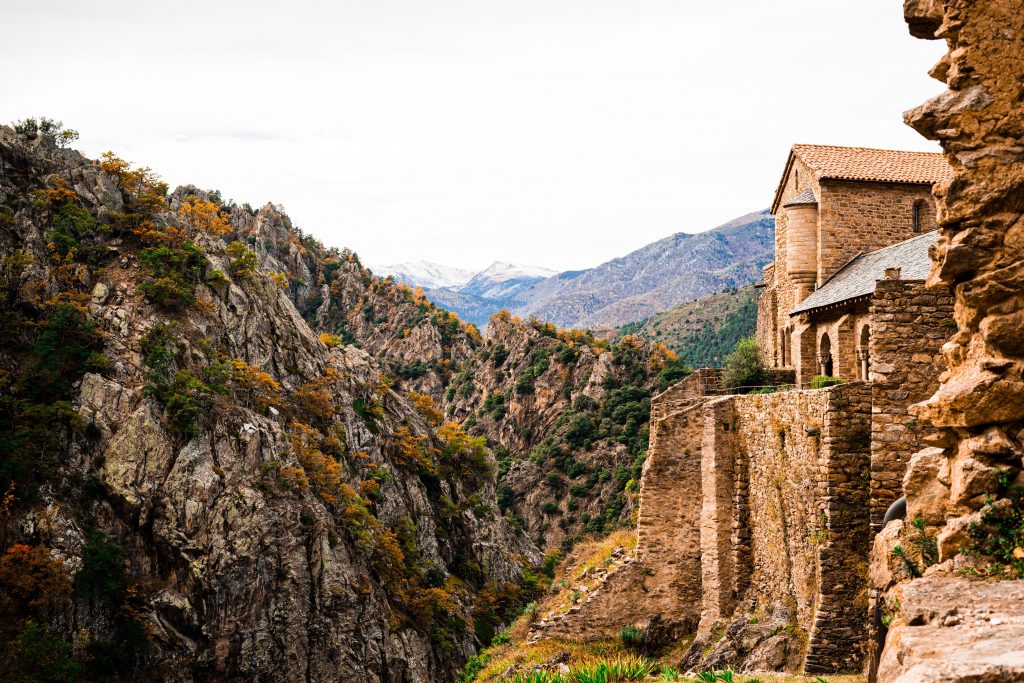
568	415
196	486
657	277
704	331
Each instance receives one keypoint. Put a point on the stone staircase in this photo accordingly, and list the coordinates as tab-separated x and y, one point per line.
558	624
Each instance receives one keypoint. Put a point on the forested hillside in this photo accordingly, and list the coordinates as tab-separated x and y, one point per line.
705	331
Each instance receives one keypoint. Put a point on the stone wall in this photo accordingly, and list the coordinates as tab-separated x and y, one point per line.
859	216
909	324
662	581
749	505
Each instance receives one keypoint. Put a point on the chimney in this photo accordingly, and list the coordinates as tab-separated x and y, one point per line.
892	273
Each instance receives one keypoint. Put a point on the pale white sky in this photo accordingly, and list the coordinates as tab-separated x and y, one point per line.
560	133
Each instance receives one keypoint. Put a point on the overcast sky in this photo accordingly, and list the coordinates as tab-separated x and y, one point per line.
559	133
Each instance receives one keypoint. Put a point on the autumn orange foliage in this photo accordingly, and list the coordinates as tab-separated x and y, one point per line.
31	582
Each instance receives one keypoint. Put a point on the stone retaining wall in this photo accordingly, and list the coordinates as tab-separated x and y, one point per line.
748	503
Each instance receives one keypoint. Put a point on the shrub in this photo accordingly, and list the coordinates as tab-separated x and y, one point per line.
171	273
1000	534
744	367
61	135
42	657
822	381
243	262
102	572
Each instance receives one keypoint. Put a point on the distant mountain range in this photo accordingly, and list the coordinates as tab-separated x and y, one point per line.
679	268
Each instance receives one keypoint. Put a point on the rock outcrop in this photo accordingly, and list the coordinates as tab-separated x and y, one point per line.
961	490
230	496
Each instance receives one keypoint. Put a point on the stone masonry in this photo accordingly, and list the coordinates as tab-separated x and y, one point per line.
909	324
749	505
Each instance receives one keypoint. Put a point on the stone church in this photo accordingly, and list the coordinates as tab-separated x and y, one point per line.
757	511
845	218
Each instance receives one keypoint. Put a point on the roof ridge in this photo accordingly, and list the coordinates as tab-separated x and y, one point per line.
867	149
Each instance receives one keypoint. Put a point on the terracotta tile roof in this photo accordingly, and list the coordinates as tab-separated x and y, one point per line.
805	197
857	278
882	165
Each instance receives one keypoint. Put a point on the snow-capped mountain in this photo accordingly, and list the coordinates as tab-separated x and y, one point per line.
426	274
503	281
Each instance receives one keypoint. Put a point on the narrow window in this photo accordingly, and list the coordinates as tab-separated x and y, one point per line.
917	216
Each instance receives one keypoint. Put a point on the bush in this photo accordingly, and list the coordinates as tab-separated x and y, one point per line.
243	262
822	381
171	273
102	571
744	367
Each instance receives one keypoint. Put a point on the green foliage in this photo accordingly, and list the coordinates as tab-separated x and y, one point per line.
673	371
171	272
102	572
61	135
42	658
474	666
243	262
629	668
66	344
499	354
1000	534
822	381
926	546
744	367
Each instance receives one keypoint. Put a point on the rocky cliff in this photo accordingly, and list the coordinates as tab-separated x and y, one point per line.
196	485
964	502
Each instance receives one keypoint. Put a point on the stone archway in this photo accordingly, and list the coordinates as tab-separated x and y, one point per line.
825	355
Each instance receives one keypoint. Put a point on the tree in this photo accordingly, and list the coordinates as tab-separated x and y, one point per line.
203	216
61	135
744	367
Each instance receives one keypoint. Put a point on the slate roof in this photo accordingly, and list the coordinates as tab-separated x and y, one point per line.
805	197
857	278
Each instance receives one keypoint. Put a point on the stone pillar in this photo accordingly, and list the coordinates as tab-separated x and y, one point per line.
718	459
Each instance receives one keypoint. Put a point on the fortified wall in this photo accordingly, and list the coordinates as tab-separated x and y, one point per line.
748	505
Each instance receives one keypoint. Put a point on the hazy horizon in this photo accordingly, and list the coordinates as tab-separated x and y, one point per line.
468	132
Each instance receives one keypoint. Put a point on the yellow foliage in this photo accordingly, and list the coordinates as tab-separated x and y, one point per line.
59	193
323	472
427	408
314	398
660	356
262	389
203	216
413	450
330	340
280	279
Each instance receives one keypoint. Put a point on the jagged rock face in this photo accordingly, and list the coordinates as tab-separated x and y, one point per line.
980	124
241	565
979	406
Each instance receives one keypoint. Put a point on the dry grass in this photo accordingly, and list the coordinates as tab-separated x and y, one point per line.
573	572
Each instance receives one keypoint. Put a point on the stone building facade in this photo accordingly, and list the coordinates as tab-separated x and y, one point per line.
757	511
834	205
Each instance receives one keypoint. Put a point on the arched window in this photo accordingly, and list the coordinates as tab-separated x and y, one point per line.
918	205
825	355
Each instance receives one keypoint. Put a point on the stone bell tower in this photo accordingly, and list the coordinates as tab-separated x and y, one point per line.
802	243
